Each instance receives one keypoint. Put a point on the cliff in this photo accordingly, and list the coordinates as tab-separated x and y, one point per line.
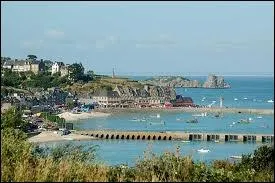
126	88
179	81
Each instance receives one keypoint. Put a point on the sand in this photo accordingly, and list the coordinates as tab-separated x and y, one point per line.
52	136
68	116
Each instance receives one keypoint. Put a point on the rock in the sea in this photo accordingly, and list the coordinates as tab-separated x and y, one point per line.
179	81
214	81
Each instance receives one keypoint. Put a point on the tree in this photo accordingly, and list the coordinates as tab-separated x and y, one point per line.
12	118
76	71
32	57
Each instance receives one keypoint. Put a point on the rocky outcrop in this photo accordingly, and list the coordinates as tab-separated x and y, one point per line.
215	82
178	81
145	92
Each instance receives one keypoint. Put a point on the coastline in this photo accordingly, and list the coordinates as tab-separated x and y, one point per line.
191	110
68	116
51	136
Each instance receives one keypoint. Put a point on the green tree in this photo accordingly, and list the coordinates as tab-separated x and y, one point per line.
32	57
12	118
76	71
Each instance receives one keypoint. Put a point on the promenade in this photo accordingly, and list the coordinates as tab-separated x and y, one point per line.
188	109
185	136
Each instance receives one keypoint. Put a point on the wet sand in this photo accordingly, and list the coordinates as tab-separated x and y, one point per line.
51	136
68	116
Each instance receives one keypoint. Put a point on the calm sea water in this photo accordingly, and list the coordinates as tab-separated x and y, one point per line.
257	90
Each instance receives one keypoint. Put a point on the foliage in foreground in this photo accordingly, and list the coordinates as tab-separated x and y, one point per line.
23	161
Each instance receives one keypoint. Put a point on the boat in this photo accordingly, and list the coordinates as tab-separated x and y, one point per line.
158	115
259	117
270	101
236	157
192	121
185	141
245	98
157	123
217	141
200	115
203	150
244	121
235	99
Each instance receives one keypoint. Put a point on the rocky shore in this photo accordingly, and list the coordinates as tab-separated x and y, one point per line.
212	81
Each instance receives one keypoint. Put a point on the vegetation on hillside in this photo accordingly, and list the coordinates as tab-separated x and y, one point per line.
24	161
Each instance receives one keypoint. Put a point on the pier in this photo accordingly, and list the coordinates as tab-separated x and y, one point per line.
186	136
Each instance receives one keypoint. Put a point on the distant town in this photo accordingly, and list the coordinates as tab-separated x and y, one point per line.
54	87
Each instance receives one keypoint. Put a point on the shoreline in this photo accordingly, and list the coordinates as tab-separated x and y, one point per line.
190	110
51	136
68	116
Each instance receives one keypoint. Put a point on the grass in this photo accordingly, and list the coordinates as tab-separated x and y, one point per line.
23	161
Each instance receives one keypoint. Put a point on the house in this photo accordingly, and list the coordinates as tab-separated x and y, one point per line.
64	70
168	105
181	101
107	99
56	67
8	64
37	66
24	65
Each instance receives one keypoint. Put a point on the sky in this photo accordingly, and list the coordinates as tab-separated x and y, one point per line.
144	38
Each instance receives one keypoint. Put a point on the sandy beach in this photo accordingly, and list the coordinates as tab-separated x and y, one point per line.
68	116
52	136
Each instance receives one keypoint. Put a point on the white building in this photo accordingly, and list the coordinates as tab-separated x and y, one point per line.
56	67
107	99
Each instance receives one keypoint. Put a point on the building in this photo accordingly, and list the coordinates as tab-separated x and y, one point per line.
64	70
37	66
56	67
8	64
107	99
24	65
181	101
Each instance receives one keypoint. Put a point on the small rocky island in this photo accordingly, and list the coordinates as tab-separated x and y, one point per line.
212	81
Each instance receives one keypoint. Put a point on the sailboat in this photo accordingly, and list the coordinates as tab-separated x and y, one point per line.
203	150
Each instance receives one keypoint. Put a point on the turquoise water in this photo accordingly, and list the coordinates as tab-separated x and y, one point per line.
260	89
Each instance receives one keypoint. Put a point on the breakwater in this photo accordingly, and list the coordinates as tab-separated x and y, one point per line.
188	109
166	135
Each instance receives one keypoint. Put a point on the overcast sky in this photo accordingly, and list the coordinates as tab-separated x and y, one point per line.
144	38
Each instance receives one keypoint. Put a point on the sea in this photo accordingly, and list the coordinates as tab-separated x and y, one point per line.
255	92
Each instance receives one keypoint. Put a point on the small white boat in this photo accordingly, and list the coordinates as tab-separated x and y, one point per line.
235	99
185	141
245	98
236	157
270	101
202	114
230	125
203	150
234	123
249	119
217	141
158	115
259	117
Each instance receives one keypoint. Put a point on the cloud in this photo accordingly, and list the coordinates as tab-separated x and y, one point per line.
32	44
55	34
162	40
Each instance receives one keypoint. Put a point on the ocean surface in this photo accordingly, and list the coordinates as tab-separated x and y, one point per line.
248	92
